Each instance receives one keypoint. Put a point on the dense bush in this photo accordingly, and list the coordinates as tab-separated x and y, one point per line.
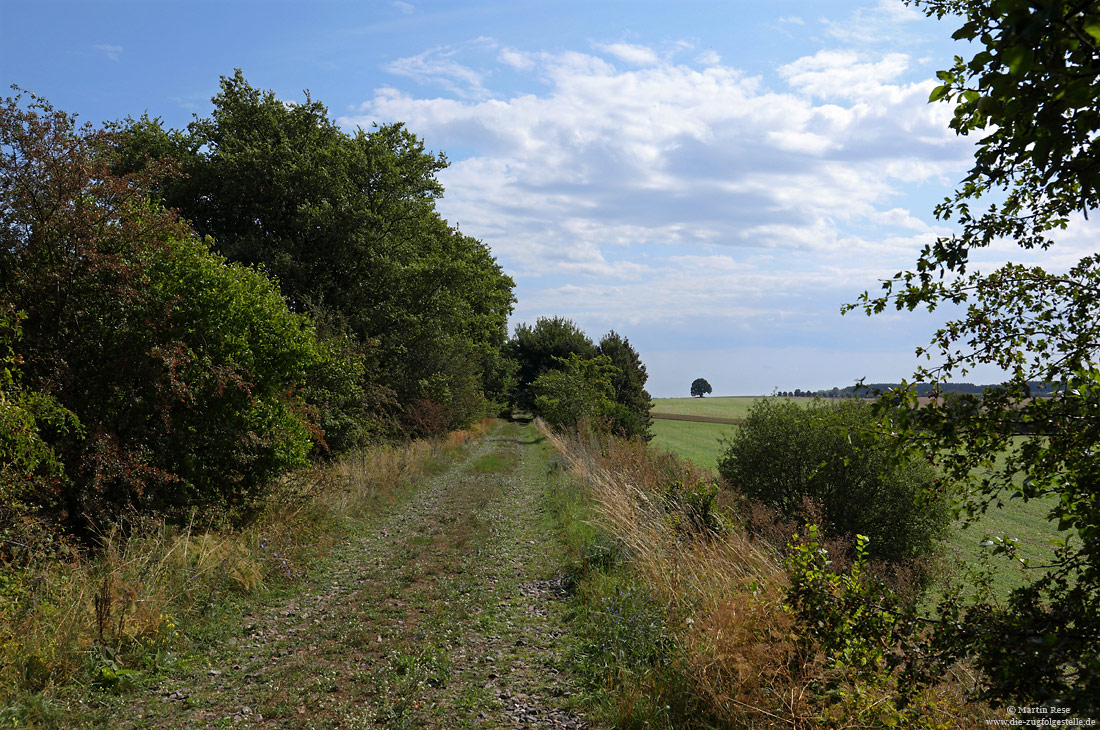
184	371
30	472
784	455
538	353
580	390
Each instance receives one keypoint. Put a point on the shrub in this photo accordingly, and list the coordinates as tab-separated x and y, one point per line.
184	371
580	391
30	472
783	455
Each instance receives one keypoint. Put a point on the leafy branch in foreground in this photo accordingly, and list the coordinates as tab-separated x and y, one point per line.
1030	91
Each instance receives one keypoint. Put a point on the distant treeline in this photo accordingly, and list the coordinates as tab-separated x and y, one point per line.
923	390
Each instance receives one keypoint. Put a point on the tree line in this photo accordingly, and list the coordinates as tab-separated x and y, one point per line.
188	314
1036	389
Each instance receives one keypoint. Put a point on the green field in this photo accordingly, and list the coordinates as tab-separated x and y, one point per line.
701	443
736	406
725	406
697	442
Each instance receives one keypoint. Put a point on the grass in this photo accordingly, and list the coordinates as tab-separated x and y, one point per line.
697	441
691	628
1027	523
71	622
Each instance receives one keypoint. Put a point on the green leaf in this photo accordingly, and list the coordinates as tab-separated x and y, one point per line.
1019	60
1092	27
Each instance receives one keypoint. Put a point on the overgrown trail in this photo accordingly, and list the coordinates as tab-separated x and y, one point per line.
445	615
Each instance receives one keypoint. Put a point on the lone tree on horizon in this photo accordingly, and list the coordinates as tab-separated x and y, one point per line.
700	387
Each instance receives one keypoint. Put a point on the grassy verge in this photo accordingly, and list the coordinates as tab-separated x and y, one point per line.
626	649
71	623
685	621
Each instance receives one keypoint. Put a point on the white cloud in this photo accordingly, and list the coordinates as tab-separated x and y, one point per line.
663	193
112	52
438	67
406	8
873	26
632	54
516	59
709	58
843	74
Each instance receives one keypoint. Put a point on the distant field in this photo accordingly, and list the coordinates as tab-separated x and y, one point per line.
729	406
701	443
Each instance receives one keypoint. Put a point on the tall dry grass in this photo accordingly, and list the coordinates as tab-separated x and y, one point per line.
106	617
747	661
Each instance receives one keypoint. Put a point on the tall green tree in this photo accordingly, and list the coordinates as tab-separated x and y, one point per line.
541	347
631	414
579	389
1029	94
347	224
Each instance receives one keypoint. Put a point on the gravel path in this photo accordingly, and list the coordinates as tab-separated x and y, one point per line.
447	614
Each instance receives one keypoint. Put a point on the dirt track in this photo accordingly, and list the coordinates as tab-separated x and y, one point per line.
448	614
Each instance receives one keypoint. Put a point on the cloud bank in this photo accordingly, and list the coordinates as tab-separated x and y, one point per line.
661	187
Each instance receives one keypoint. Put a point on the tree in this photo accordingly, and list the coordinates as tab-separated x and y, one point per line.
1030	92
347	224
578	390
632	401
183	371
542	347
700	387
784	453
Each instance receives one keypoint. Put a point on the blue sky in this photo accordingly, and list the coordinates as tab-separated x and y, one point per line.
712	180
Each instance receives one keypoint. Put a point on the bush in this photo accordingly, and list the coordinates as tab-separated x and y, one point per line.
184	372
787	457
580	391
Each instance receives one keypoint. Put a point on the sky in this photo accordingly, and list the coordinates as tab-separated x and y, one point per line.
712	180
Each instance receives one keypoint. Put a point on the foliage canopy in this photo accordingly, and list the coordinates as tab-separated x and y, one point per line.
580	389
347	225
182	370
1030	92
630	413
700	387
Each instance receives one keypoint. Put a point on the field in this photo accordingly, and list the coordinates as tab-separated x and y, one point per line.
733	406
701	443
695	441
